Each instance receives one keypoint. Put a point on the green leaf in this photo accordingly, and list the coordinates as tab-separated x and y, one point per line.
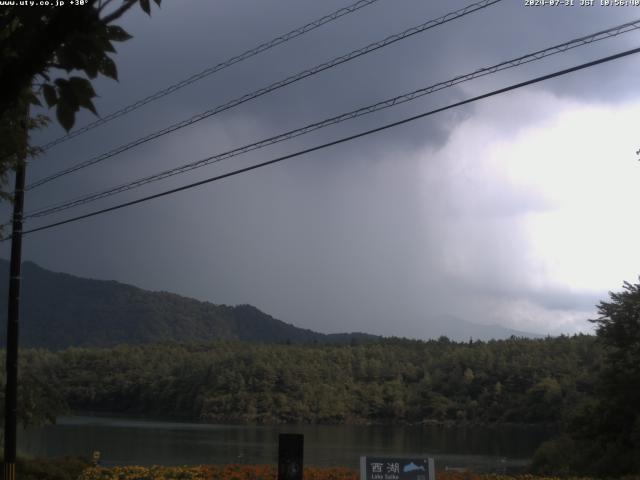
66	115
103	44
92	66
67	97
117	34
108	68
82	92
61	82
144	4
108	47
82	87
50	95
88	104
99	41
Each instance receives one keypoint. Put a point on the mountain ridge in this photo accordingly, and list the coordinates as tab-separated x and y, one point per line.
60	310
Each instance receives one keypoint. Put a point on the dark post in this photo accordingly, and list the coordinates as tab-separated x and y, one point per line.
11	365
290	452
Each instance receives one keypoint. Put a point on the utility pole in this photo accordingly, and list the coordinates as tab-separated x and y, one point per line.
11	391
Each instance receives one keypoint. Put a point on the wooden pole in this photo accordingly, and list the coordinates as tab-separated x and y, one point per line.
11	365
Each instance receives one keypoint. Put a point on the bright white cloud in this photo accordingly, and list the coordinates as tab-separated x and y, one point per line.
583	161
542	205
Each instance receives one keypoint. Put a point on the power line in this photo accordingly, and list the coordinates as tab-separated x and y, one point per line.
211	70
274	86
531	57
339	141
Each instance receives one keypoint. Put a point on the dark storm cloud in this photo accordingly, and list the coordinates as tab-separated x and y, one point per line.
356	237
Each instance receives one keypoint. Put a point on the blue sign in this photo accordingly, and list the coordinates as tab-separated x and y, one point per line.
397	468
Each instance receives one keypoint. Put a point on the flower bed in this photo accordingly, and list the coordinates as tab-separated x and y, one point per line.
261	472
211	472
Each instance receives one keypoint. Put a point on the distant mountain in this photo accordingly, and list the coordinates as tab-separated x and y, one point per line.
461	330
60	310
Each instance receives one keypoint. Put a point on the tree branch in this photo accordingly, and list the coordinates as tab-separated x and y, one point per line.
102	5
119	11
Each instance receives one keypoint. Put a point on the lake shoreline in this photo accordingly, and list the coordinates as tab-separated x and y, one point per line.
452	424
133	440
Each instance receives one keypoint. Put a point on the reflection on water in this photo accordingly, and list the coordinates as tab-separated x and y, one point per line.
143	442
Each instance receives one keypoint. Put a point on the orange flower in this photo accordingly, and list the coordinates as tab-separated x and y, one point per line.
264	472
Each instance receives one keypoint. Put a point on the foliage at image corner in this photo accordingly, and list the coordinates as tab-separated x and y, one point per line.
38	44
48	56
14	126
602	436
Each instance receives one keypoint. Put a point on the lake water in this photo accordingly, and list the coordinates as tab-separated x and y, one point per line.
146	442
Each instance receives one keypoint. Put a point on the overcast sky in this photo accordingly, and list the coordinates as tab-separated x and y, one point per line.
519	210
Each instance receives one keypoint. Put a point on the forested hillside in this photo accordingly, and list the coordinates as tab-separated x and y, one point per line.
400	381
61	310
